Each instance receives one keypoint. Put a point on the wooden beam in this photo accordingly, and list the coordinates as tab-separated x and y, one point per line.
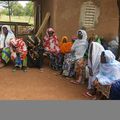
37	13
118	3
44	23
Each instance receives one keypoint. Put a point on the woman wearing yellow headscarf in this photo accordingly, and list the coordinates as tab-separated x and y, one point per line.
65	45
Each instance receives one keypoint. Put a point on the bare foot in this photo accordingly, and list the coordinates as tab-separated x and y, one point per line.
94	98
2	65
88	94
41	70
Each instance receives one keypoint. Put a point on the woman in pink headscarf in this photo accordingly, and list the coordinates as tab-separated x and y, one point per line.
51	47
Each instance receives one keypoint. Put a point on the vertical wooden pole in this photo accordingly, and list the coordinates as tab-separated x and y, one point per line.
9	11
118	3
38	16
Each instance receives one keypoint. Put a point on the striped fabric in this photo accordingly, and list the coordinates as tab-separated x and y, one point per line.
6	54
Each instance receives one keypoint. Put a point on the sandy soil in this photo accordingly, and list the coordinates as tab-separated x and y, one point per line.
37	85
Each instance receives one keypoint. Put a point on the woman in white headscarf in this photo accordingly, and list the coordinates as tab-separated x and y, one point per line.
94	54
108	78
109	69
80	45
7	35
78	50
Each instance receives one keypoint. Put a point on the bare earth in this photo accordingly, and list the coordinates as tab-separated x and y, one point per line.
36	85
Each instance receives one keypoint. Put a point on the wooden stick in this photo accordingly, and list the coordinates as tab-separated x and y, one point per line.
31	39
45	21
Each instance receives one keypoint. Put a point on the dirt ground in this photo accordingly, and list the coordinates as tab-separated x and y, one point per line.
37	85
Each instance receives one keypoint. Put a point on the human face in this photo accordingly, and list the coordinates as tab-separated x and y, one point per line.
80	36
64	40
50	33
5	30
103	59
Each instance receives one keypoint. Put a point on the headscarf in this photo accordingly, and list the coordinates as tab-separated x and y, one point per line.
74	38
65	47
64	37
80	46
97	49
50	30
10	35
109	71
51	43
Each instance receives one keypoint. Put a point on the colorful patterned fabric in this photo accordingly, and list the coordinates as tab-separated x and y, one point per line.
104	89
20	63
6	55
80	67
20	46
51	44
68	66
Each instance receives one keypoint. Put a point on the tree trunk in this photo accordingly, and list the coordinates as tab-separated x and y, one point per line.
118	3
9	11
38	16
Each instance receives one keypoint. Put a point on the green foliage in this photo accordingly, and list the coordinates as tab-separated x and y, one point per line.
17	18
8	5
4	12
29	9
16	9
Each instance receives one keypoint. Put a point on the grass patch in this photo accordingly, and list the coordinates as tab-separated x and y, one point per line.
28	19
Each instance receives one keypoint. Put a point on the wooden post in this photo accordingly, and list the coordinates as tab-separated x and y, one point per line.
37	13
44	23
118	3
9	11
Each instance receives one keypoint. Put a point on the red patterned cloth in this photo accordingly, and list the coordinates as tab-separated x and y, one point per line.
51	43
20	46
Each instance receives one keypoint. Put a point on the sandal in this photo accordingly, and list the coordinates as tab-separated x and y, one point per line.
2	65
41	70
25	69
88	94
95	98
14	69
75	82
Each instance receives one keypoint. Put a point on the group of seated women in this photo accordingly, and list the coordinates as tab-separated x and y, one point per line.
71	57
12	48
